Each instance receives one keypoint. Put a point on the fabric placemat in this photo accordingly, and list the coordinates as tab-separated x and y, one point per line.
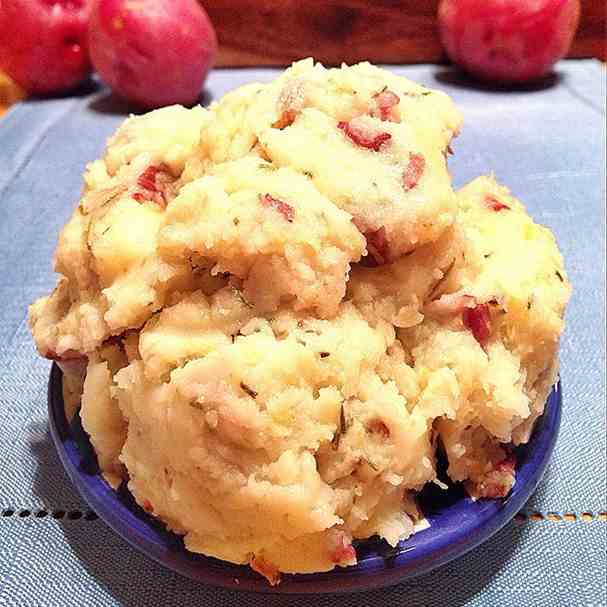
547	143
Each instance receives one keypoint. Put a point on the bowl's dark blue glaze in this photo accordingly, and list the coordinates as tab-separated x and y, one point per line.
457	524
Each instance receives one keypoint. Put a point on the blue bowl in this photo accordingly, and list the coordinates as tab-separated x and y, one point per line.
457	524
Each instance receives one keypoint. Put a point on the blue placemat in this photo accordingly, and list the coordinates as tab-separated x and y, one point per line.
547	143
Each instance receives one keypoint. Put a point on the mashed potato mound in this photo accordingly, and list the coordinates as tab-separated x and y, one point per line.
374	143
300	418
487	349
276	312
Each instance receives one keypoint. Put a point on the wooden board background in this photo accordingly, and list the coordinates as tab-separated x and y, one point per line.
276	32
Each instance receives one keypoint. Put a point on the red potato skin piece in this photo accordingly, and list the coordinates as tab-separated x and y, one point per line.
413	171
494	204
68	355
475	317
449	305
493	491
266	569
70	361
286	210
344	553
147	179
378	246
377	426
478	320
385	101
153	187
287	118
116	340
290	104
363	138
507	465
498	482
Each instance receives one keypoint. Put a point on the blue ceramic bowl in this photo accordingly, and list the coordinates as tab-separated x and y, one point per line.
457	524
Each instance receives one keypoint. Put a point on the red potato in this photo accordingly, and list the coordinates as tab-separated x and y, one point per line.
507	40
43	43
152	52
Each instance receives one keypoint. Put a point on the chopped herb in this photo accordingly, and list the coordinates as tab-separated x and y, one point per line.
248	390
241	297
341	428
371	465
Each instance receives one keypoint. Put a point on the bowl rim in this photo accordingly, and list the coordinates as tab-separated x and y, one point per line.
466	523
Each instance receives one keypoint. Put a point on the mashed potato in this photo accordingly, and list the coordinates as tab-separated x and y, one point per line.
281	311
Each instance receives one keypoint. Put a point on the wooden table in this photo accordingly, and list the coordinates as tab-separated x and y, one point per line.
276	32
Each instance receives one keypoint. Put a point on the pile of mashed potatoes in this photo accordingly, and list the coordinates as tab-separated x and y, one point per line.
276	311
